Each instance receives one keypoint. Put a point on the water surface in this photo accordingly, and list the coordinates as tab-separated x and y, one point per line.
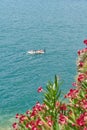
58	26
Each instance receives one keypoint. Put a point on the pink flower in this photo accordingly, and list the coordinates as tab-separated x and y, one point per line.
79	52
80	121
50	123
81	77
17	115
32	125
39	122
34	128
74	84
63	119
85	128
84	50
28	125
81	64
85	42
40	89
23	118
86	95
84	104
57	104
72	93
34	113
63	107
28	112
38	107
15	126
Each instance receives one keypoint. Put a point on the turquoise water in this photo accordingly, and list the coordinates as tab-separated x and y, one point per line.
59	26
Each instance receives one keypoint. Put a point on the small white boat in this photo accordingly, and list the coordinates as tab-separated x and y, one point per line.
36	52
31	52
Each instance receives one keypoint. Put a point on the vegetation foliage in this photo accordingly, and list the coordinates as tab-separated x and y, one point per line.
55	114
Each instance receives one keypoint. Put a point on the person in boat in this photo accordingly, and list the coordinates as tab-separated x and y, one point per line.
40	51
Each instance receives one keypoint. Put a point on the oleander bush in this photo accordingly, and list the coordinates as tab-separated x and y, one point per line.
57	114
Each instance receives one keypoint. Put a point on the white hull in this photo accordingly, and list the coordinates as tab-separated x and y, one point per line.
36	52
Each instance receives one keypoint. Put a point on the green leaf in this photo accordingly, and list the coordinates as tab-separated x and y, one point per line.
47	103
57	126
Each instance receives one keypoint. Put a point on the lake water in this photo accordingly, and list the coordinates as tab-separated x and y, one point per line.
59	26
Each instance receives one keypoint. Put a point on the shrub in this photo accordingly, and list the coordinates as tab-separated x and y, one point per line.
55	114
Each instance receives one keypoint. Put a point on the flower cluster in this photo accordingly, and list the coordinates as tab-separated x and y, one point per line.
55	114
